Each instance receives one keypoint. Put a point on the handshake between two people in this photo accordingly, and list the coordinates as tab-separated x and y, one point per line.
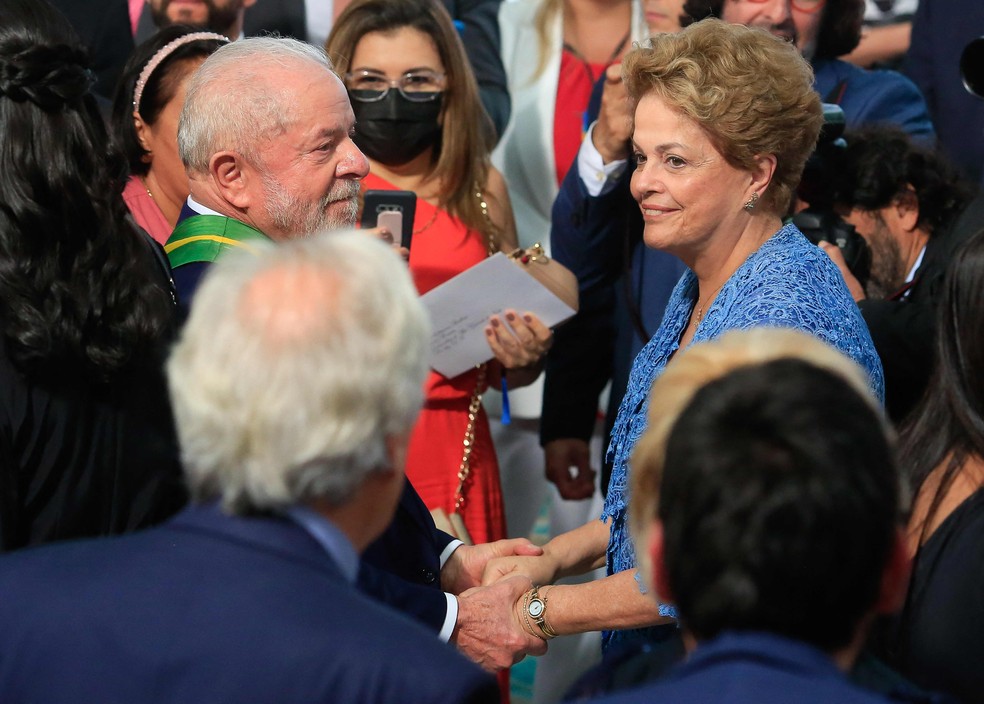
493	592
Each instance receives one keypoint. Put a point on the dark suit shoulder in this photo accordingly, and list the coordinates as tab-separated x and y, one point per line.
252	614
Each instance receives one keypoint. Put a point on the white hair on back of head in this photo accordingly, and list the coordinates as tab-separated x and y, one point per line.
232	103
293	368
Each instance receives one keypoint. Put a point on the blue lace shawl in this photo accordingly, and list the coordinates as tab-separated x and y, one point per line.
787	282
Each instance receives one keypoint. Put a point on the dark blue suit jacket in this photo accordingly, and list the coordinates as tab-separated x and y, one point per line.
402	567
211	608
874	98
751	668
940	31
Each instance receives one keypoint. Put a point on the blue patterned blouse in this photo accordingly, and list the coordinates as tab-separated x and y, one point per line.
787	282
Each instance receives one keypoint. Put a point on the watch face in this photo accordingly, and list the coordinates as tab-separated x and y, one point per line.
536	608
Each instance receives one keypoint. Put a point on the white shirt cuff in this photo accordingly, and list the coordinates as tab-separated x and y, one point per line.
598	177
448	550
450	619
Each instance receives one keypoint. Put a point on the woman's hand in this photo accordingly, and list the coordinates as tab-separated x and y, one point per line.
540	570
519	341
383	234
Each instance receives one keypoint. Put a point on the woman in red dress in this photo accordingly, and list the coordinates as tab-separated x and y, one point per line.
420	121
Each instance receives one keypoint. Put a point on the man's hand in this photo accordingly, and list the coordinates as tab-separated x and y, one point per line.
562	454
489	630
853	285
464	569
613	130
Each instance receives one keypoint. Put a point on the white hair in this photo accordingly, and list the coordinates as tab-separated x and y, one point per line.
232	102
295	365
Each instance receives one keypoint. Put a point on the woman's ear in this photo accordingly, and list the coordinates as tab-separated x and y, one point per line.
762	171
143	136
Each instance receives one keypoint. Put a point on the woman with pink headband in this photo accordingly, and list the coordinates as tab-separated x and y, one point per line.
146	107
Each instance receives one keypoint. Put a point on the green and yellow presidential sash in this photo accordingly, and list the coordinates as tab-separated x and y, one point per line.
202	238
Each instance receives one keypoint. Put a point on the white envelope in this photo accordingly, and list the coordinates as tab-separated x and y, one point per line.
460	309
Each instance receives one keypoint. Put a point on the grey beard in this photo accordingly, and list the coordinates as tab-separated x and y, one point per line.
295	216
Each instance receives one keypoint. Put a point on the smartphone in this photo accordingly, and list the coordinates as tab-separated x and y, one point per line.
381	203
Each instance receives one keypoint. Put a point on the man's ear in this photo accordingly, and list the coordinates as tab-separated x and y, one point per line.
396	450
906	209
657	558
895	577
233	177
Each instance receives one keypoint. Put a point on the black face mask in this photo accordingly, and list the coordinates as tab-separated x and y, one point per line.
394	130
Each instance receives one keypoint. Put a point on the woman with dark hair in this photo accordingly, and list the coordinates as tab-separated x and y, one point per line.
421	123
940	644
146	107
86	441
823	30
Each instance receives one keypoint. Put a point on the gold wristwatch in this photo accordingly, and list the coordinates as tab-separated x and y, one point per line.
536	609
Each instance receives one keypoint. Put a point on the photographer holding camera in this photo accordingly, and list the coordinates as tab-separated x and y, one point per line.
910	208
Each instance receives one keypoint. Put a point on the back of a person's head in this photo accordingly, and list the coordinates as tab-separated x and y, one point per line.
779	502
295	365
72	288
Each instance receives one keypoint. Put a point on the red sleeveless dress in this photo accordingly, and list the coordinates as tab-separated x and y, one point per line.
442	248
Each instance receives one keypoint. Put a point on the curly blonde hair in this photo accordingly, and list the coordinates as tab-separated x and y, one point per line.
750	92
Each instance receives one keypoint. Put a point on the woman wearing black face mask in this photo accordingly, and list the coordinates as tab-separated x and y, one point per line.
421	123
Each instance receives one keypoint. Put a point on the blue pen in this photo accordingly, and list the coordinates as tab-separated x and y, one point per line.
506	416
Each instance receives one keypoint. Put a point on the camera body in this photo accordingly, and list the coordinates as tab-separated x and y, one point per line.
819	221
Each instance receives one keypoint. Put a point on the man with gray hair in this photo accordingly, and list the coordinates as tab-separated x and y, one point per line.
266	138
295	384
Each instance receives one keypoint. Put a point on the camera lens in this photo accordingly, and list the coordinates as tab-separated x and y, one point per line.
972	67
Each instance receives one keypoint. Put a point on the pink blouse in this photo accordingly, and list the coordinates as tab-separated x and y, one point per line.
145	210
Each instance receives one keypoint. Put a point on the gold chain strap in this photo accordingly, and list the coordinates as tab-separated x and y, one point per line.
464	469
490	241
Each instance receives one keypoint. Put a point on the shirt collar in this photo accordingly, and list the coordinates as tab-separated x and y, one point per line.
916	265
201	209
328	536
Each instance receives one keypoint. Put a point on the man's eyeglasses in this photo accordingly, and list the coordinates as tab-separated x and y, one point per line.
801	5
416	86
